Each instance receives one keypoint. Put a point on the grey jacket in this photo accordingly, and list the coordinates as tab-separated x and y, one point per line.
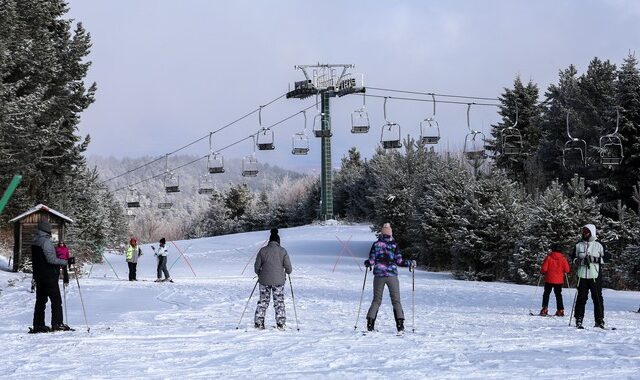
43	240
271	264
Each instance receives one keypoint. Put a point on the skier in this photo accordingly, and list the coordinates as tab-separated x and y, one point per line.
46	273
588	254
161	254
554	267
385	257
62	252
133	253
272	262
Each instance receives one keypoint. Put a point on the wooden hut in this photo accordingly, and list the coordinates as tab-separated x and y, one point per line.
25	226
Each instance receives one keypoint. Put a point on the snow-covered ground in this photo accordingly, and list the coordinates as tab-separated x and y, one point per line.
188	328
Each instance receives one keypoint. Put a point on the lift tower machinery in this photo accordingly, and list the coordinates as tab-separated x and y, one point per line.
323	80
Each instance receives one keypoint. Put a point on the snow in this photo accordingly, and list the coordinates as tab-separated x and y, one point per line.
188	328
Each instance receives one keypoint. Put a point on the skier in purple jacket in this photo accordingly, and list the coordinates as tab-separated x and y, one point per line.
385	257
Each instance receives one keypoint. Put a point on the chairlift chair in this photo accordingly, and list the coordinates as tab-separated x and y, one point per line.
299	144
511	141
132	198
390	135
360	118
165	204
429	131
265	139
249	166
574	153
131	215
317	127
215	163
611	151
474	149
171	183
205	185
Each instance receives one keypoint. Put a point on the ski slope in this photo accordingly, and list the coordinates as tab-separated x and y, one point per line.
187	329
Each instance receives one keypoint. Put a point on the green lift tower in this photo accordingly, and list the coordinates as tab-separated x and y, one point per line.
323	81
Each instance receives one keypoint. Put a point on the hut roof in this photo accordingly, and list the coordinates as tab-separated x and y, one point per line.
43	208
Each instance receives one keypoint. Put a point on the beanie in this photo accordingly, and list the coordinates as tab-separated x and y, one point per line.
274	235
556	247
386	229
162	241
45	226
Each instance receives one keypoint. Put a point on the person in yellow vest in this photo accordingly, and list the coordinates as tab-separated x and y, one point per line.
133	254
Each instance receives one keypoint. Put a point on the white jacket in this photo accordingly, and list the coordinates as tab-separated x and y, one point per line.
162	251
593	252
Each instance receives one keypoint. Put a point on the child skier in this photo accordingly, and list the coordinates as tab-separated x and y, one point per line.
554	267
62	252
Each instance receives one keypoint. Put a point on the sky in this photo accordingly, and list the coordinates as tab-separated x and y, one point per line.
169	72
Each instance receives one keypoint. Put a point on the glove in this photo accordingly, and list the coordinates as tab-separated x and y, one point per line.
71	260
367	263
154	248
412	265
594	259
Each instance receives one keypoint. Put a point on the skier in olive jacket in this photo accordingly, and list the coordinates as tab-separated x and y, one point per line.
554	267
272	265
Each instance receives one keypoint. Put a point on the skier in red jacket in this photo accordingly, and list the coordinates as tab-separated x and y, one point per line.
554	267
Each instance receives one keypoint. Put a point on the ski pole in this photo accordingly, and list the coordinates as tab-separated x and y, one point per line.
361	295
535	294
75	273
64	298
575	296
245	306
293	300
413	300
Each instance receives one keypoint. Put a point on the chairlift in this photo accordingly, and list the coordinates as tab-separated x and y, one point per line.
265	135
474	148
390	135
166	203
512	139
611	152
300	141
429	128
171	183
131	215
205	185
250	163
215	163
317	123
360	119
574	152
132	198
249	166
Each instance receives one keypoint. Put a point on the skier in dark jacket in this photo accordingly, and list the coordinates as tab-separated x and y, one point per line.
46	272
385	257
554	267
272	265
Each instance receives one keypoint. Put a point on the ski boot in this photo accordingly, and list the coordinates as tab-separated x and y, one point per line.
371	324
259	324
281	326
579	323
599	324
544	312
61	327
39	329
560	313
400	325
158	280
167	279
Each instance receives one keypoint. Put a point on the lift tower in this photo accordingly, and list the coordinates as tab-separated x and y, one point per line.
323	80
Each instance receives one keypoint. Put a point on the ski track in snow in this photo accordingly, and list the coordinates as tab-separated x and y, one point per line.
188	329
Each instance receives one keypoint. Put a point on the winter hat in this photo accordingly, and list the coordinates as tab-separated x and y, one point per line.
386	229
45	226
162	241
274	235
555	247
133	241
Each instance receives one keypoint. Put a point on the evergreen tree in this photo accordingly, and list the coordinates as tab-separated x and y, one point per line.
348	187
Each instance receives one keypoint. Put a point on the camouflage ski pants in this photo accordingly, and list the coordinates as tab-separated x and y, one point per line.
278	303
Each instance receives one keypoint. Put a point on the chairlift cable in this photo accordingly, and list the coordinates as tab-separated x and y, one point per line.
429	100
431	93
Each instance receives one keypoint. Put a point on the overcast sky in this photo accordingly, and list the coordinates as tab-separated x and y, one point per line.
168	72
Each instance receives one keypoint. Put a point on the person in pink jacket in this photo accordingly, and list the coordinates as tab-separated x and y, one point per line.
554	267
62	252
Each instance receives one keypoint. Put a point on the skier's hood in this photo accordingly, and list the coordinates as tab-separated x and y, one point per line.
591	228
